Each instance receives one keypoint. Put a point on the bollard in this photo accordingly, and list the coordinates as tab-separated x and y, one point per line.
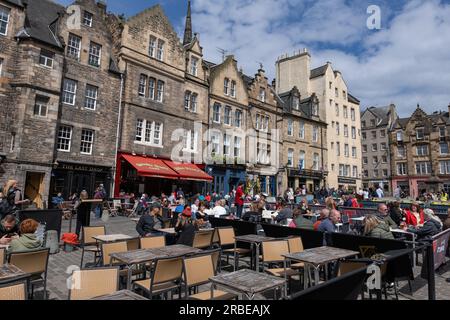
52	241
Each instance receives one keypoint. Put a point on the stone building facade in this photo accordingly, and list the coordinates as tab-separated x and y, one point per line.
304	136
340	110
376	124
264	115
165	97
420	157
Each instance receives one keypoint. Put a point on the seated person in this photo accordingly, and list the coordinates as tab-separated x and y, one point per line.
329	224
9	228
186	228
253	214
58	200
219	209
284	213
324	214
431	227
28	240
301	222
376	229
202	217
151	222
415	216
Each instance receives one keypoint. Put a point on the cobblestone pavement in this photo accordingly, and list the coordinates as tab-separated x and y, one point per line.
61	262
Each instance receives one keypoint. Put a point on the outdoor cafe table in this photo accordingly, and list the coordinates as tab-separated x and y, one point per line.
413	240
247	282
121	295
255	242
358	219
112	238
10	273
141	256
317	257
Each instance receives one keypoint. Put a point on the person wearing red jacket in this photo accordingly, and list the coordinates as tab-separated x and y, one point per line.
415	216
239	200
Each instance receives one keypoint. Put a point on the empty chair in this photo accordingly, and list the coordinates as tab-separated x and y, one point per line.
272	253
296	246
226	241
91	283
165	277
89	244
34	263
109	248
15	291
197	271
153	242
133	244
203	239
2	256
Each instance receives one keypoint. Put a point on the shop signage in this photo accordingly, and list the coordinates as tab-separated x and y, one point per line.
346	181
80	167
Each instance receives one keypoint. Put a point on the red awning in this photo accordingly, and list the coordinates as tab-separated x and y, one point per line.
150	167
189	171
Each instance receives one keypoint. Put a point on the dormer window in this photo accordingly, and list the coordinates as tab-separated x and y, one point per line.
420	133
160	51
87	19
315	109
262	94
399	136
226	86
233	89
194	66
296	103
4	20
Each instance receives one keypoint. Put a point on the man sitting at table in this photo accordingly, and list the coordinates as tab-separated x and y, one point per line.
9	227
284	214
300	222
383	216
324	213
329	224
151	222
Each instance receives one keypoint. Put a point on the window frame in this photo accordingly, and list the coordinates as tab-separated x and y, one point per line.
95	57
66	92
7	21
60	138
90	98
87	16
147	131
47	56
87	142
71	48
40	102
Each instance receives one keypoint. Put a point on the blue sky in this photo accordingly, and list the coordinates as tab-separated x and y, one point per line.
406	62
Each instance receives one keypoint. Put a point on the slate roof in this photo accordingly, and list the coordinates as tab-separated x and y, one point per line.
318	72
353	99
41	22
381	113
18	3
248	80
209	64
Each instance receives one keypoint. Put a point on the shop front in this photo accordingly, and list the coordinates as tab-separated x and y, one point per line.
348	184
226	178
68	178
311	179
154	176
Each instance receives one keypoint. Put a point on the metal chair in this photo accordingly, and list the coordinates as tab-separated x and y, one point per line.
34	263
203	239
153	242
90	283
2	256
89	244
14	291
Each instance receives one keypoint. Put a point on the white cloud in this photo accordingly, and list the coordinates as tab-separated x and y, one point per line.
405	63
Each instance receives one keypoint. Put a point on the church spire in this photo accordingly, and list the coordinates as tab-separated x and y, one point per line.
188	28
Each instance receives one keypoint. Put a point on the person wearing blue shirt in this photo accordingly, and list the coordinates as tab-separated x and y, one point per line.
329	224
56	201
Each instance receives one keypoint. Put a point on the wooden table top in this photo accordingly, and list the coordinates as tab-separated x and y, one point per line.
253	238
321	255
121	295
168	230
112	237
9	272
248	281
147	255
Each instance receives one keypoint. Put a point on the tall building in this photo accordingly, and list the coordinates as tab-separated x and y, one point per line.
164	105
376	125
304	150
420	153
340	110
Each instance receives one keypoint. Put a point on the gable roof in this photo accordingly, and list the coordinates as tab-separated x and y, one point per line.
41	22
353	99
382	113
318	72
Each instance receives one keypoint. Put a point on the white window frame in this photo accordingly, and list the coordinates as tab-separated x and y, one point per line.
226	86
296	103
226	145
190	141
315	109
315	135
290	128
302	160
301	133
365	161
160	50
237	147
46	58
233	89
262	94
402	169
354	152
160	91
74	46
215	143
91	98
418	131
152	88
152	44
87	141
87	18
345	131
425	168
216	112
262	153
316	162
40	104
444	167
399	135
420	151
4	12
355	172
227	116
354	133
383	146
347	151
142	88
187	100
375	147
194	66
238	114
66	138
290	157
146	131
72	94
440	148
345	111
95	54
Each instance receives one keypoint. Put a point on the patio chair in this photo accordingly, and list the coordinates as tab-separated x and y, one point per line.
2	256
89	244
133	244
197	271
153	242
296	246
116	247
90	283
203	239
165	277
226	242
14	291
34	263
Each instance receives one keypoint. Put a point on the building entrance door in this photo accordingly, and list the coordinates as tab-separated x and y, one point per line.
34	188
